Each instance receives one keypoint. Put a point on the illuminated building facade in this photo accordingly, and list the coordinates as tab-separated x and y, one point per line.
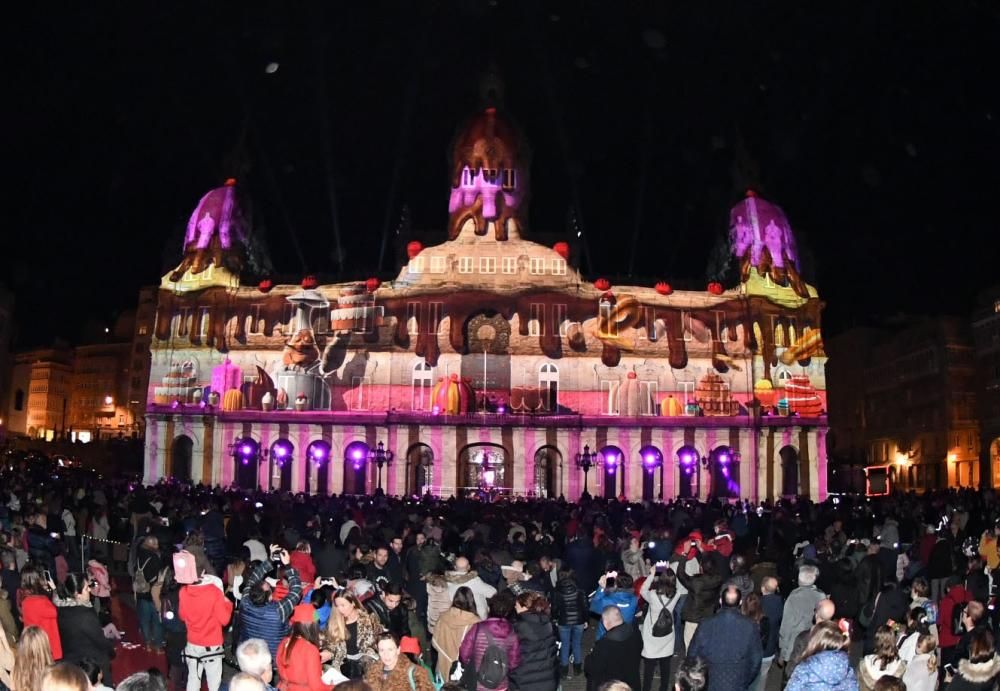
489	361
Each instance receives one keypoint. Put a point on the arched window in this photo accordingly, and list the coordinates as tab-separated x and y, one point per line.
548	385
318	465
483	466
789	456
651	461
614	471
419	469
688	467
423	378
356	468
548	462
725	469
181	456
282	457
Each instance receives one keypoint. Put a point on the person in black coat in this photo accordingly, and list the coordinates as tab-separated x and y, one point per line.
731	644
79	628
569	609
580	556
617	655
844	591
538	645
892	604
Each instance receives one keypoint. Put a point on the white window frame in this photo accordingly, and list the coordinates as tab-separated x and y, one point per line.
686	334
536	320
508	178
287	319
434	316
558	266
204	316
413	318
416	265
648	391
439	265
421	385
360	397
548	373
536	266
612	401
508	265
487	265
143	330
559	320
688	388
604	308
465	265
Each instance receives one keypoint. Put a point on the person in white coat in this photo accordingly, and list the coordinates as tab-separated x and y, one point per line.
922	671
660	592
463	575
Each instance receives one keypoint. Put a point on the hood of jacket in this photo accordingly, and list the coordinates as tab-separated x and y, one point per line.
871	670
456	578
980	672
436	579
69	602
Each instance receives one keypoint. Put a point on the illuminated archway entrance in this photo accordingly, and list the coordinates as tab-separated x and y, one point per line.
548	468
419	469
789	456
651	462
483	466
246	459
318	465
614	471
725	468
688	471
181	454
356	468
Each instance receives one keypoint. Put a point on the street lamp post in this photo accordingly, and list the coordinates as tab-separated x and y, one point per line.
586	460
380	457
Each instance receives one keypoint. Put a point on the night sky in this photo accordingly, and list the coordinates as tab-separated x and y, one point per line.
877	131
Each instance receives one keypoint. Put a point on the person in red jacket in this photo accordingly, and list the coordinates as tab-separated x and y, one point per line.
299	666
303	562
205	611
956	597
37	608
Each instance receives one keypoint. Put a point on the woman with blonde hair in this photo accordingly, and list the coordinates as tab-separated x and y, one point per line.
34	655
333	640
65	676
824	665
883	662
922	671
362	630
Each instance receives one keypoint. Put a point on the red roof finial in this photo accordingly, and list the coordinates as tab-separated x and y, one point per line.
491	111
751	192
230	182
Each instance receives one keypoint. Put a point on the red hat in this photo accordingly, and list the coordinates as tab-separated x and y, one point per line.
409	644
695	535
303	614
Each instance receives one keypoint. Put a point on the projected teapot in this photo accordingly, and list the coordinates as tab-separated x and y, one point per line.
298	377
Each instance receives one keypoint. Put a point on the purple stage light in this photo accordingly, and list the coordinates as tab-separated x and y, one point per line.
501	410
357	455
436	410
246	449
246	461
319	452
280	451
176	404
357	466
723	458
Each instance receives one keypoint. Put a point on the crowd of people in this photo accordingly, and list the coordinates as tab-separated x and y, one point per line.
254	591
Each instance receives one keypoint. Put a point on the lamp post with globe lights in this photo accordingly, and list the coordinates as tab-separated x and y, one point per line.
585	460
380	457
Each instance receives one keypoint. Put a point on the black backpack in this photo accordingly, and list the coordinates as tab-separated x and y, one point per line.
664	624
492	670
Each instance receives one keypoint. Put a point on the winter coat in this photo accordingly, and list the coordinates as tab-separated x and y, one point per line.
302	670
703	595
205	611
399	678
82	636
625	601
869	671
569	604
580	557
955	597
730	643
940	563
774	608
438	600
475	643
743	582
480	589
616	656
918	677
973	677
537	638
448	636
826	671
330	561
303	563
269	621
800	607
634	564
656	647
891	604
38	610
846	598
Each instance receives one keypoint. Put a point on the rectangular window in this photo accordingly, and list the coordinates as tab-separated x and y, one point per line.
651	323
686	326
417	265
647	398
536	321
609	395
413	318
537	266
609	327
687	387
559	267
509	265
143	330
509	178
439	265
360	396
434	317
203	322
421	394
487	265
465	265
559	319
184	321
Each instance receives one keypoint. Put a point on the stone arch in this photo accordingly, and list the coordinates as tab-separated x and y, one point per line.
419	468
246	460
789	458
725	473
651	465
548	472
688	471
474	457
356	468
318	462
282	455
181	458
613	471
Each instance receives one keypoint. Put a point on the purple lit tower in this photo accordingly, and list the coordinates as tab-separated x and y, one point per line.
216	234
761	238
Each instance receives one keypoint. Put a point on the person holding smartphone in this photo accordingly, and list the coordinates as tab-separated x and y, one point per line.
37	608
614	590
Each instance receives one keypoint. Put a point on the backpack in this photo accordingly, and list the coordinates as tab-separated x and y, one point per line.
930	612
492	670
141	586
664	624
